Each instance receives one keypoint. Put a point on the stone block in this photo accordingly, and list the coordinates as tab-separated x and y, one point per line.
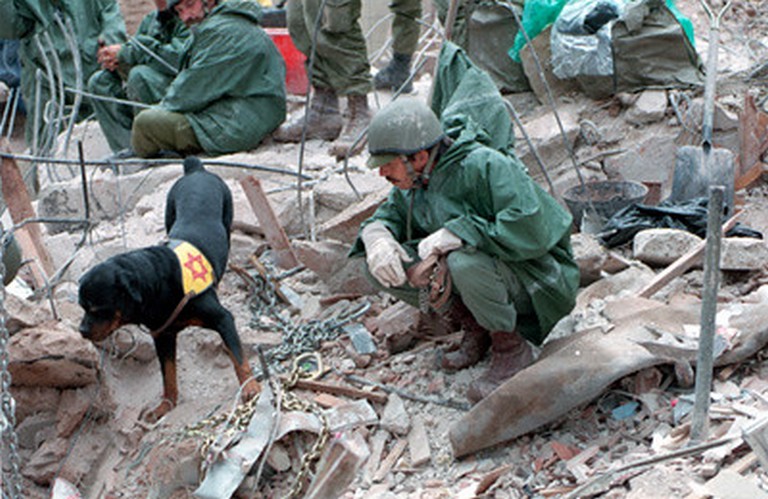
660	247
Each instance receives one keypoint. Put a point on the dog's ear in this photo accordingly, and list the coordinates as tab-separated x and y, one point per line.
129	285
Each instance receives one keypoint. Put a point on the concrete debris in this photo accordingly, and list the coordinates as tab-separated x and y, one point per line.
661	247
743	254
650	107
74	364
395	418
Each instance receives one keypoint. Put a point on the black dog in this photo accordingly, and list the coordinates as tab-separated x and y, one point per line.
167	288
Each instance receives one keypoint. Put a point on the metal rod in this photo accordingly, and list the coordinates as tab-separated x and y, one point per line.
550	96
531	146
14	111
69	36
6	110
310	65
711	284
153	55
147	162
105	98
59	80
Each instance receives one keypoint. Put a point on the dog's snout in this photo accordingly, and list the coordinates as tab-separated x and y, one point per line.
85	328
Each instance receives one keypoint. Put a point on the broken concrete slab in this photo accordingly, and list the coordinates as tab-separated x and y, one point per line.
656	149
418	443
345	225
574	370
590	256
661	247
743	253
395	418
546	137
110	195
52	355
650	107
336	193
341	459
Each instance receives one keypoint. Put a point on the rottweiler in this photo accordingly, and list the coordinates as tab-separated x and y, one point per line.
171	286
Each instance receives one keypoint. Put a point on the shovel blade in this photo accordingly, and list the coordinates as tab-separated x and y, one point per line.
697	170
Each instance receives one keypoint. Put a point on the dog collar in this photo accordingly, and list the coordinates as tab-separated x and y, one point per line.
196	271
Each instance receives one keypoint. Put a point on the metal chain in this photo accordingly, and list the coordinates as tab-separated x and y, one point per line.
238	421
11	475
297	338
294	403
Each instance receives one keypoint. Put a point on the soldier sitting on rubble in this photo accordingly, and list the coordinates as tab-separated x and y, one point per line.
467	207
230	91
60	40
140	70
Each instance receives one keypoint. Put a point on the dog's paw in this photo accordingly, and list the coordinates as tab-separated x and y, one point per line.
251	389
154	415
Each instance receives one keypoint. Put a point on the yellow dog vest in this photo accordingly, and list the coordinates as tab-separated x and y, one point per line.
196	271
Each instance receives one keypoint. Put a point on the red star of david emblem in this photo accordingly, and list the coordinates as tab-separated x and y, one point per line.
201	272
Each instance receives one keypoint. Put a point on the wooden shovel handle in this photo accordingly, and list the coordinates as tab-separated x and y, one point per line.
682	264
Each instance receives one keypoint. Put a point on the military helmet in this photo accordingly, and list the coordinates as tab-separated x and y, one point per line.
403	127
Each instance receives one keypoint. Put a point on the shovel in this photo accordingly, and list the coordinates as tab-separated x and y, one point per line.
698	168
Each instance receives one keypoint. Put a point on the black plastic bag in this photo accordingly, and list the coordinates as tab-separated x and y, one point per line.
689	215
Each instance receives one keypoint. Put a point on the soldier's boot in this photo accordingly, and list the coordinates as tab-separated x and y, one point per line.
359	117
510	353
395	74
323	120
474	343
429	324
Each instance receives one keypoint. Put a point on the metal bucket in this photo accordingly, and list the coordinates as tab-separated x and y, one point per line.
607	197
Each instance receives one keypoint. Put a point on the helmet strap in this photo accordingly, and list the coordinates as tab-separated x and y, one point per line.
421	179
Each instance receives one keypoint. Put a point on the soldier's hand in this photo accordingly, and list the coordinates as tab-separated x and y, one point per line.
440	242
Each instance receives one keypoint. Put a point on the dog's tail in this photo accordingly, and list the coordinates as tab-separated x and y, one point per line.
193	164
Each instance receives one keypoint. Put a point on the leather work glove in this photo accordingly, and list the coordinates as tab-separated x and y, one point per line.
384	255
438	243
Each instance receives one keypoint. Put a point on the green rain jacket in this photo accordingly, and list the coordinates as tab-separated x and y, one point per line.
162	33
91	20
232	84
481	192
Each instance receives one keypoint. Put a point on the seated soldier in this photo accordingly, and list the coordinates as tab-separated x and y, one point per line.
230	91
139	70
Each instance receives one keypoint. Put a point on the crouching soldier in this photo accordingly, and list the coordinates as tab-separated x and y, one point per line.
504	241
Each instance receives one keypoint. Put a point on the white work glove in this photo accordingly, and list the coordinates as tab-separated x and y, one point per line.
438	243
384	255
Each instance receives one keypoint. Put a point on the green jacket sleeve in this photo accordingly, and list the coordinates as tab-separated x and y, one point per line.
10	23
507	213
112	23
165	41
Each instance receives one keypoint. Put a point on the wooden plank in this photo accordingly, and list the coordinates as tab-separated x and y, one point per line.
390	460
20	208
347	391
682	264
273	231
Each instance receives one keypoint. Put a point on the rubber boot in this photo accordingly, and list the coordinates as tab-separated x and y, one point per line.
429	324
395	74
474	343
323	122
359	117
510	353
